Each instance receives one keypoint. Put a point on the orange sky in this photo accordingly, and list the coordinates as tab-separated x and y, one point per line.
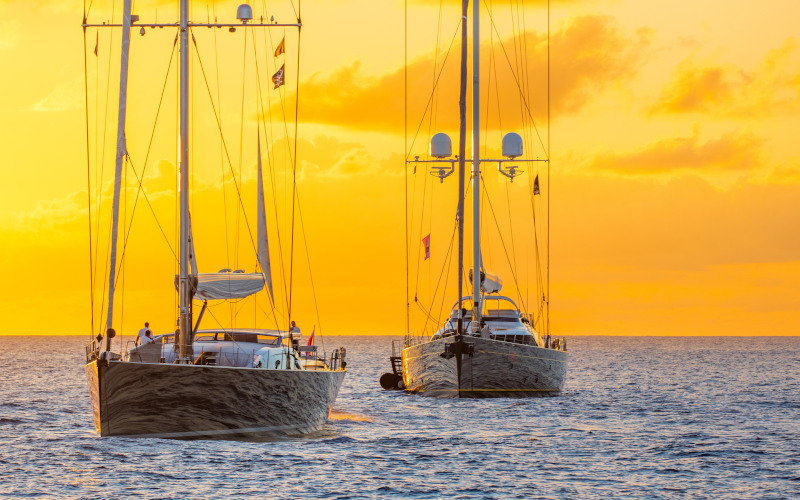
674	177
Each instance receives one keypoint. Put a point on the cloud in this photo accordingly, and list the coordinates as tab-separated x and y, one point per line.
588	54
728	152
9	34
64	97
729	90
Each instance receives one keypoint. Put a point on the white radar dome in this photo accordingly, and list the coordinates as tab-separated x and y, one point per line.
512	145
441	146
244	13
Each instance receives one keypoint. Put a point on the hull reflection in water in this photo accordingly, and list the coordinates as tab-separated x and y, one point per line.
495	369
209	402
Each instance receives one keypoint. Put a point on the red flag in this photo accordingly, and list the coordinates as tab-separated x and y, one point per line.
277	78
311	338
427	242
536	185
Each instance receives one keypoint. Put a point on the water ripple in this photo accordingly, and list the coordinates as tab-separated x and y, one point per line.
641	417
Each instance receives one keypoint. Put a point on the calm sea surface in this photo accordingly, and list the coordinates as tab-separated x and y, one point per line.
640	418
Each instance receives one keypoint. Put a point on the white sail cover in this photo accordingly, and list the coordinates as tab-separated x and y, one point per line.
218	286
490	283
263	244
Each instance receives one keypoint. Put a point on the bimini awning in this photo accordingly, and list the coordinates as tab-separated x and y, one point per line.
226	285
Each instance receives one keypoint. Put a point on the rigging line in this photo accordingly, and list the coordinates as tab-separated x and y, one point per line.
152	210
271	153
433	75
222	137
446	280
548	167
208	309
539	286
239	209
221	156
526	81
439	281
139	180
272	177
511	228
294	163
88	170
405	148
103	302
421	223
516	80
488	93
514	39
308	260
123	260
99	184
502	241
430	99
519	60
260	105
102	170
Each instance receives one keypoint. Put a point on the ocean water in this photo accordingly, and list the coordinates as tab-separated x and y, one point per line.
640	418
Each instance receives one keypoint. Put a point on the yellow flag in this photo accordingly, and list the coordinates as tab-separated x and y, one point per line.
281	47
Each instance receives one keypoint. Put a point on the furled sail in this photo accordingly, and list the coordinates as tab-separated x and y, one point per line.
263	245
227	285
192	257
490	283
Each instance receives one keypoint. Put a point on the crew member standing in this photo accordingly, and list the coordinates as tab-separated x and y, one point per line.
143	333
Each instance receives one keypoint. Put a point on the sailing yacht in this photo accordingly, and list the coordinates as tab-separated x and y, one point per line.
205	383
487	346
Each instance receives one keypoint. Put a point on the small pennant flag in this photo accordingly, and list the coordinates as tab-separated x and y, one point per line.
281	47
536	185
427	242
311	338
277	78
96	43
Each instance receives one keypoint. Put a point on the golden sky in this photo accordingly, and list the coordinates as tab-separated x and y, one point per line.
675	170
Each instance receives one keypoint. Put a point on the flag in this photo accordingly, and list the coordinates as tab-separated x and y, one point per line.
311	338
277	78
281	47
96	42
427	242
536	185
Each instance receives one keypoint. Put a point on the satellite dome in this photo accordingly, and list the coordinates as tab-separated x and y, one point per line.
512	145
244	13
441	146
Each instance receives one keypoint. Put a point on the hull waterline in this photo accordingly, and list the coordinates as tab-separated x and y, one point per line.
496	369
208	402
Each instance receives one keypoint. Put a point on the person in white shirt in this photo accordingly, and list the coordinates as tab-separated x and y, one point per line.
143	334
295	328
148	338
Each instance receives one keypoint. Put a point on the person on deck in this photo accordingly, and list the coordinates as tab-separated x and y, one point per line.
295	328
143	333
148	338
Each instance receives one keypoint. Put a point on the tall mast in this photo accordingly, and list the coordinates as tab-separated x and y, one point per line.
185	285
462	153
120	156
476	169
